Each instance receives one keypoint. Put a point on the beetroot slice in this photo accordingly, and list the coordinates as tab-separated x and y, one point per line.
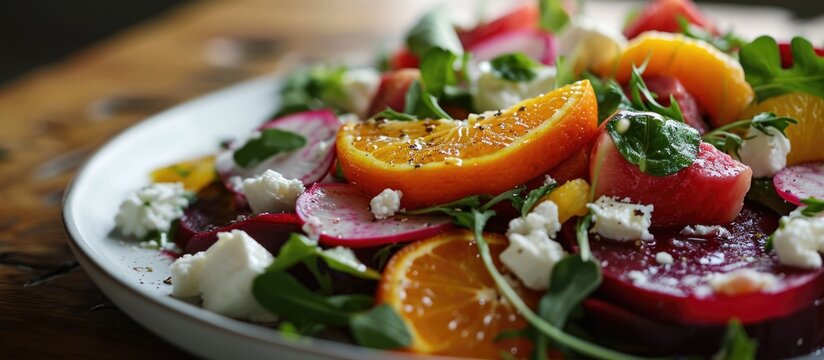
795	183
536	44
270	230
309	163
346	220
214	208
680	292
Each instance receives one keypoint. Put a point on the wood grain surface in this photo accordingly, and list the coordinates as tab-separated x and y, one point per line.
54	118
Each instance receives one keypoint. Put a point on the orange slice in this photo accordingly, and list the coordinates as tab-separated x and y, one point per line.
436	161
194	174
804	136
571	198
441	289
713	77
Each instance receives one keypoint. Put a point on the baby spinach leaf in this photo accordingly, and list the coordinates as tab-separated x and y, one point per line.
434	30
282	294
438	70
299	249
814	207
763	192
573	280
762	68
515	67
380	328
553	16
311	89
609	95
659	146
270	142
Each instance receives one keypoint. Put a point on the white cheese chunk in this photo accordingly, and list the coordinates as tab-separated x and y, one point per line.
664	258
621	221
705	230
765	154
588	44
223	276
313	228
742	281
270	192
543	217
495	93
358	88
386	204
152	208
798	241
531	258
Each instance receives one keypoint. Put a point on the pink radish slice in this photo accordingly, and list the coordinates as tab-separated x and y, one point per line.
345	218
270	230
309	163
536	44
799	182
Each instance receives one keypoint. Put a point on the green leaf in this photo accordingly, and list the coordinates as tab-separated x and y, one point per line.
352	302
515	67
761	61
728	42
535	195
814	207
438	71
270	142
736	345
763	192
553	16
609	95
343	259
659	146
512	195
433	30
281	294
564	74
299	249
312	89
643	99
762	121
382	256
390	114
730	142
380	328
573	280
422	104
293	252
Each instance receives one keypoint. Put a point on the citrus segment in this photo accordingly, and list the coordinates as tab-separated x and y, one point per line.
809	111
571	199
435	161
713	77
194	174
441	289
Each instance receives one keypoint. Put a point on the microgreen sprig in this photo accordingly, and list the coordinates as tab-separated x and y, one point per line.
726	138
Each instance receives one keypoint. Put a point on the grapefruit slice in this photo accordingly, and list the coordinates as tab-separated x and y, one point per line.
710	191
442	290
437	161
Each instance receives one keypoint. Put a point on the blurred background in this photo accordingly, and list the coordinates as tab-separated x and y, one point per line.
39	32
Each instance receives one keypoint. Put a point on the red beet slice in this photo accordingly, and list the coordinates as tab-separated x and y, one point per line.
214	207
680	293
795	183
309	164
346	219
270	230
710	191
536	44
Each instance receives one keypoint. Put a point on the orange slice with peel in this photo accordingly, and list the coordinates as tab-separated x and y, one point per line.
436	161
713	77
442	290
195	174
804	136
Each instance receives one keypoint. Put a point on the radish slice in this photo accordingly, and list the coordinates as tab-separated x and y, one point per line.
345	218
536	44
309	163
795	183
270	230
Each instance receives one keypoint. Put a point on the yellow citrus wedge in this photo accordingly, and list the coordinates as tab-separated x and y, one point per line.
804	136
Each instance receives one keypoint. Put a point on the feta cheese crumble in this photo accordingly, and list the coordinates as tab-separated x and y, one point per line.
589	44
494	93
152	208
766	154
270	192
742	281
664	258
705	230
386	204
798	241
621	221
532	254
359	87
223	276
313	228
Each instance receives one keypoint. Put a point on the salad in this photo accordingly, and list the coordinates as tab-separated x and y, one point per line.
536	186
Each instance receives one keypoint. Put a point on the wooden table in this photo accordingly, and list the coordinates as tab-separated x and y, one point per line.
55	117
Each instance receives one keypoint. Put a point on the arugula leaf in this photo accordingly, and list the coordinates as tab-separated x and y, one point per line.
380	328
312	89
422	104
573	280
438	70
553	16
729	142
728	43
659	146
299	249
736	345
814	207
515	67
391	114
564	74
535	195
433	30
643	99
609	95
762	68
270	142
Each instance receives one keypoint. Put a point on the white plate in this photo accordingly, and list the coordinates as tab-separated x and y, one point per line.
133	277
